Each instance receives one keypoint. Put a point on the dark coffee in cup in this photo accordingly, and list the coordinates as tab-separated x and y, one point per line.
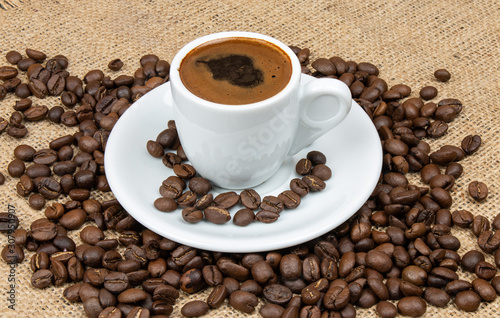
236	71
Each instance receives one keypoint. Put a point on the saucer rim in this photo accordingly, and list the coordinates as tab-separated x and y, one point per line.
133	208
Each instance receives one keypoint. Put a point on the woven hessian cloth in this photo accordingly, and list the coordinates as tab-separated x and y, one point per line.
407	40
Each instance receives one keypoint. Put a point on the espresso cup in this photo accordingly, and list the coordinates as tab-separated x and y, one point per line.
235	130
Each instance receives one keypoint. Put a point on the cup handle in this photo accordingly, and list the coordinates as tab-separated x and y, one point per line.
323	104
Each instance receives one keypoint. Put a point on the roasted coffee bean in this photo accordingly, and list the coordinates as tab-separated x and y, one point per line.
36	201
8	222
192	281
428	92
39	261
165	204
7	72
92	256
56	84
36	55
131	295
217	215
116	282
13	57
226	200
110	312
378	261
471	143
16	168
277	294
478	190
243	301
484	289
243	217
496	222
462	218
195	308
337	296
322	171
184	171
43	230
470	259
192	215
436	297
290	199
272	204
442	75
467	300
42	278
200	186
437	129
299	186
386	309
270	310
489	241
485	270
412	306
250	199
480	224
303	166
314	183
495	282
154	149
91	234
24	152
12	253
75	269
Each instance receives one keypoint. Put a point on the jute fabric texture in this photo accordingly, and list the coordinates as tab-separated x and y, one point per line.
407	40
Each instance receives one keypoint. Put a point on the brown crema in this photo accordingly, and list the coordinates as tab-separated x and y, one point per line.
236	71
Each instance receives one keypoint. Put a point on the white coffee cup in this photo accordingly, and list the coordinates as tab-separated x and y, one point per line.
238	147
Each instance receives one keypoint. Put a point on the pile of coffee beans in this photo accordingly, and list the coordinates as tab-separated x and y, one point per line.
199	204
396	253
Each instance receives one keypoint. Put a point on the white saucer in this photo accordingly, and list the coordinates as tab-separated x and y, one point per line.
353	152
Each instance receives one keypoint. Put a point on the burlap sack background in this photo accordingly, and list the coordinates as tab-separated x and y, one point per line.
407	40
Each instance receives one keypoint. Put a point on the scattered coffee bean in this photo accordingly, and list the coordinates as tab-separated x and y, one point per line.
478	190
442	75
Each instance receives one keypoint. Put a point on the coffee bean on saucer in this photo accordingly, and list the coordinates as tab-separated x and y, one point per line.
184	171
314	183
272	204
250	199
322	171
290	199
303	166
243	217
165	204
155	149
204	202
299	186
200	186
217	215
265	216
226	200
316	157
192	215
